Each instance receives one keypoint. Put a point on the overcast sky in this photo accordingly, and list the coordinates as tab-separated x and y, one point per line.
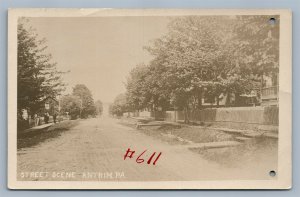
99	51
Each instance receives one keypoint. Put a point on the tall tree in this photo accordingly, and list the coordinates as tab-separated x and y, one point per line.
71	104
119	106
87	102
204	57
196	52
258	48
257	44
38	77
137	92
145	88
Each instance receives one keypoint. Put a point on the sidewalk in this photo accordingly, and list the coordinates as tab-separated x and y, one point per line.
239	132
44	126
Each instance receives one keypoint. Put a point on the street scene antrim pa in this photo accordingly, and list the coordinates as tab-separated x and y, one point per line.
147	98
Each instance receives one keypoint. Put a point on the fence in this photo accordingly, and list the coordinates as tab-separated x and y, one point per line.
268	115
250	115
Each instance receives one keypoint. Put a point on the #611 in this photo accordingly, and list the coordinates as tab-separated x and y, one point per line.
154	157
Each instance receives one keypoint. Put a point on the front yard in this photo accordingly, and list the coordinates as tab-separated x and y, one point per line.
32	138
258	148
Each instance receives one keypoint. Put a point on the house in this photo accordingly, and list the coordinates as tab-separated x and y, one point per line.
51	105
269	91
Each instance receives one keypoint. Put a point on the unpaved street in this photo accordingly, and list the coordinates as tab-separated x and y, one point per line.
95	149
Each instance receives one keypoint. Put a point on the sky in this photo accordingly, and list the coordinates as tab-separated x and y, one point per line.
99	51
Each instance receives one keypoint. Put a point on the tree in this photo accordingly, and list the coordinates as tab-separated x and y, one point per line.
204	57
195	53
258	48
257	44
71	104
119	106
137	92
86	100
38	77
145	88
213	55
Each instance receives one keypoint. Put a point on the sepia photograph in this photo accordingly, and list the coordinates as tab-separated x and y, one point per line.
149	99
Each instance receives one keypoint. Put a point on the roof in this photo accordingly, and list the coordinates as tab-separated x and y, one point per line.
50	98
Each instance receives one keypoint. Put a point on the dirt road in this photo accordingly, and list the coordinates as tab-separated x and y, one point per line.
95	149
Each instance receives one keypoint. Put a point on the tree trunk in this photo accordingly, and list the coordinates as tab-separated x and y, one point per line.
261	86
200	98
237	100
186	114
227	103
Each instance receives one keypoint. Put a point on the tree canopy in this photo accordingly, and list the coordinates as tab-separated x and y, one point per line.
119	106
38	77
70	104
86	100
80	103
204	56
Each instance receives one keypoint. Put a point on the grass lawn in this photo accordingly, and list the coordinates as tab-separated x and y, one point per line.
259	151
193	134
250	152
35	137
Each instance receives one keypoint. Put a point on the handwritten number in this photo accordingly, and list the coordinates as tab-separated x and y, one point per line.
149	160
157	158
130	153
138	160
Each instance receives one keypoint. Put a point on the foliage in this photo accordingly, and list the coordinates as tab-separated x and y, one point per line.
38	77
87	104
205	57
258	46
136	88
70	104
119	106
80	103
